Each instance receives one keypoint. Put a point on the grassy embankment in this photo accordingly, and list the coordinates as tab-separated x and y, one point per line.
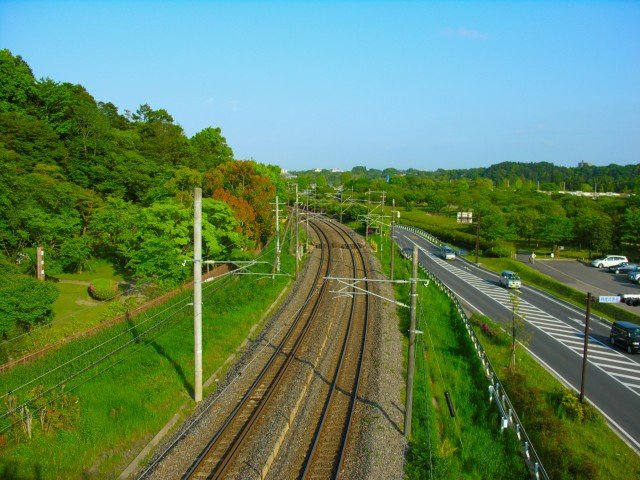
99	417
572	439
470	444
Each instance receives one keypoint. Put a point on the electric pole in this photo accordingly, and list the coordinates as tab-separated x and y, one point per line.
197	293
412	339
392	252
276	265
297	232
586	346
366	232
478	235
307	217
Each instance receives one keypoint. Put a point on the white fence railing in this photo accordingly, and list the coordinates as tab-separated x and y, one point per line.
509	418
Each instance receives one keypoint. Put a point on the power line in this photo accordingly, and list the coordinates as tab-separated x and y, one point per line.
79	372
13	390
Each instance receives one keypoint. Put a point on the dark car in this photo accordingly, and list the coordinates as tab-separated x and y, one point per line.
626	334
624	267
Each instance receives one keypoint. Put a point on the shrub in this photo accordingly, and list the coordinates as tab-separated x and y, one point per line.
103	289
501	250
569	406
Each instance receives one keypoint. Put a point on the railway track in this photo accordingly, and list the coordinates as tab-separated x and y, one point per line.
327	451
220	457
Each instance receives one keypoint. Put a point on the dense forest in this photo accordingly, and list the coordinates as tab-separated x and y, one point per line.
85	181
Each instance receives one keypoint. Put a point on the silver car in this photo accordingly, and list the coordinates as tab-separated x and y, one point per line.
510	279
609	261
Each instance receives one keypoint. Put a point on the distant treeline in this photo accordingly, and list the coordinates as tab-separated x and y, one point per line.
550	177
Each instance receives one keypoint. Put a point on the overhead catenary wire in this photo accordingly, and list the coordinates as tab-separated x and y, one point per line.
86	368
86	352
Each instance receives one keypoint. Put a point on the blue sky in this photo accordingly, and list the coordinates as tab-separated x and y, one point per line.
331	84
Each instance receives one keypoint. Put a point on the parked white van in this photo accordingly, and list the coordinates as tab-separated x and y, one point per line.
608	261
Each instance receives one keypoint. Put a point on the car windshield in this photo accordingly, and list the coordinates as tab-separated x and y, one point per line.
511	276
635	332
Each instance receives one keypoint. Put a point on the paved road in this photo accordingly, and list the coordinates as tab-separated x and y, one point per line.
557	336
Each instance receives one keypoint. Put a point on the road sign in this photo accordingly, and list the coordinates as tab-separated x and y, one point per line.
609	299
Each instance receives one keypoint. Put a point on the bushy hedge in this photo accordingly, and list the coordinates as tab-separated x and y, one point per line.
103	289
501	250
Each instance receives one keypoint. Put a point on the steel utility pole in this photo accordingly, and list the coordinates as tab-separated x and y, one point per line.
297	232
276	266
392	252
478	236
307	217
197	293
366	232
412	339
586	346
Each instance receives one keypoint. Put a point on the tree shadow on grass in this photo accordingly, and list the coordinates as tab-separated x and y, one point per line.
10	471
160	350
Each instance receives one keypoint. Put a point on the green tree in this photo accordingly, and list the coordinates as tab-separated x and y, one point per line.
209	149
631	226
556	229
24	302
162	240
113	229
74	253
527	223
17	83
594	229
162	141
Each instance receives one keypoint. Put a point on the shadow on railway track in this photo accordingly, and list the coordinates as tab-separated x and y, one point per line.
360	398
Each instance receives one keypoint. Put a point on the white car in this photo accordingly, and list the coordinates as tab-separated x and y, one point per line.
608	261
510	279
448	253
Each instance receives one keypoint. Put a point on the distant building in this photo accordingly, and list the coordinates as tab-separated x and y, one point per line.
465	217
584	164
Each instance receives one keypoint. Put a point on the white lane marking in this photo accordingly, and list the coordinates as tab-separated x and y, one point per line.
573	341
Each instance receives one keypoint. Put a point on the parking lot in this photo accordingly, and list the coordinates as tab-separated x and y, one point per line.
586	278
